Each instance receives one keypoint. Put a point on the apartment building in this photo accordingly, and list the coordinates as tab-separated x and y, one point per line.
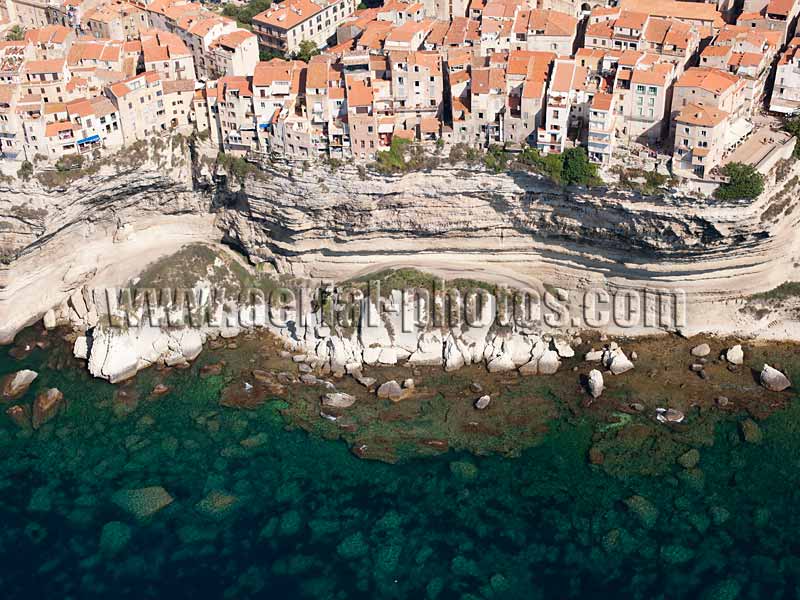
234	53
701	139
712	88
167	54
235	112
526	85
141	105
771	15
602	128
51	41
545	31
46	78
11	142
115	19
568	92
644	93
283	26
417	85
786	91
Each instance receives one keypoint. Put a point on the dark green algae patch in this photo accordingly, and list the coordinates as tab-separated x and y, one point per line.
259	507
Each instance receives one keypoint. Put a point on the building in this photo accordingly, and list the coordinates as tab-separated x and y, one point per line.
140	104
786	91
545	31
602	128
234	53
283	26
166	53
700	139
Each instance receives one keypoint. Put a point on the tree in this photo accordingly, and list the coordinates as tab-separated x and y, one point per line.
577	168
15	34
244	14
306	50
25	171
744	182
793	127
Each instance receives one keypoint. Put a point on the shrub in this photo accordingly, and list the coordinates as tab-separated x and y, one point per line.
235	166
496	159
392	160
793	127
744	182
69	162
25	171
577	168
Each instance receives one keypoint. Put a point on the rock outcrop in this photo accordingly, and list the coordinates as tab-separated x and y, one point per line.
14	385
774	380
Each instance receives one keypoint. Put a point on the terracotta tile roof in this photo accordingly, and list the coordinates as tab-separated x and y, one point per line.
780	7
359	94
691	11
55	65
234	39
602	101
50	34
711	80
288	14
430	125
630	19
53	129
551	23
700	114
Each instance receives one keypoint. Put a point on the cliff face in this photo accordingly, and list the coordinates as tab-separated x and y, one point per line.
102	229
336	225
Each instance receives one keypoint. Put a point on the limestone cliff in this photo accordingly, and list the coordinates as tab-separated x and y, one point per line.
101	229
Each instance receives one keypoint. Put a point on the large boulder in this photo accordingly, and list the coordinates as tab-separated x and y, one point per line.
16	384
735	355
393	391
774	380
595	383
549	362
113	355
701	350
338	400
46	406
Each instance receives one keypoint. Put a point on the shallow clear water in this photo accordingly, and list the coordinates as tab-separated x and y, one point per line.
289	515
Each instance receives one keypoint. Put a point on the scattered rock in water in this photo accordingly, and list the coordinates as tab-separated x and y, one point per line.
143	502
735	355
392	391
300	358
237	396
15	385
722	401
593	355
619	363
81	348
212	369
308	379
286	378
476	387
644	510
408	384
464	470
338	400
689	459
19	416
701	350
21	352
46	406
482	402
159	390
702	374
774	380
751	432
596	456
595	383
669	415
217	504
634	356
114	537
697	367
304	368
637	406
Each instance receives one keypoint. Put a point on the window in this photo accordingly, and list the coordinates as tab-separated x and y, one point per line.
652	90
641	89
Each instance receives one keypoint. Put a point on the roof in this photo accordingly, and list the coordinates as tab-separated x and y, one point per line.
55	65
552	23
52	129
50	34
487	79
702	115
288	14
359	94
711	80
234	39
780	7
691	11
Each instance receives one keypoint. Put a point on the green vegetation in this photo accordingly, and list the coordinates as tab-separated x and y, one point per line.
401	157
267	55
15	34
236	166
793	127
244	14
69	162
464	153
25	171
577	168
306	50
744	182
785	291
570	168
653	180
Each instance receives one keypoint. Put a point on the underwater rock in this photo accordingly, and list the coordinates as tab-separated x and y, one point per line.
217	504
701	350
212	369
476	387
159	390
595	383
728	589
463	470
735	355
646	512
774	380
143	502
114	537
14	385
669	415
751	432
19	415
689	459
596	456
722	401
46	406
338	400
483	402
675	554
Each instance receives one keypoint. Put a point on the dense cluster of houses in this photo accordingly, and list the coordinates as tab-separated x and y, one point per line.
676	77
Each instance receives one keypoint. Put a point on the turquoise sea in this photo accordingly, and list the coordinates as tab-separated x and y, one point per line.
263	510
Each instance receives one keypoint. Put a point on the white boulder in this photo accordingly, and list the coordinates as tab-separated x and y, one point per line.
595	383
774	380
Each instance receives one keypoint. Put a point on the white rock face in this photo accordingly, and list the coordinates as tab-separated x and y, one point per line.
482	402
549	363
453	359
17	384
620	363
49	320
501	363
81	347
735	355
114	356
774	380
595	383
563	348
593	355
